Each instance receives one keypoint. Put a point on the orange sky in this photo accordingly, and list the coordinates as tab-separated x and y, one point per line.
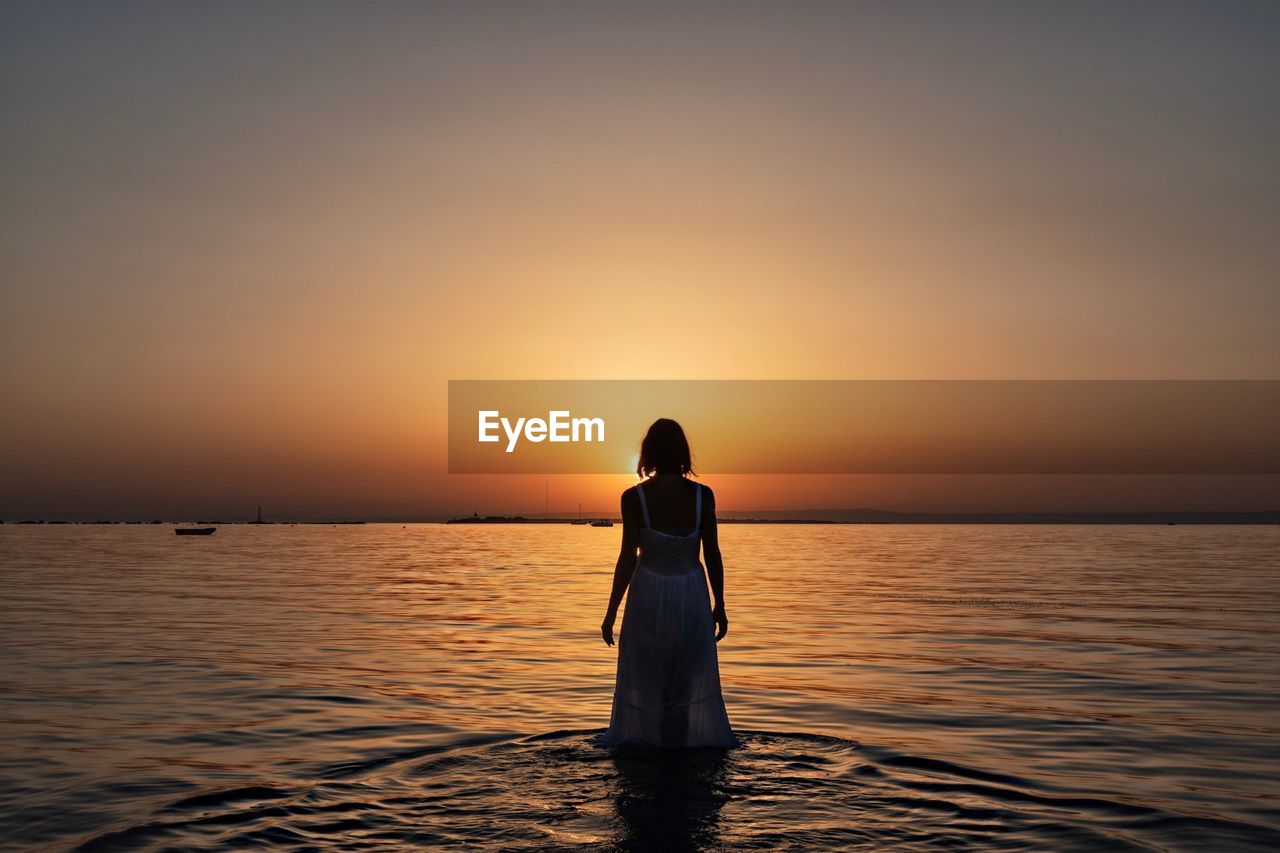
245	248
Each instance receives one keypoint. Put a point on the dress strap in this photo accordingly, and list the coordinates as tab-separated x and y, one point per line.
697	512
644	506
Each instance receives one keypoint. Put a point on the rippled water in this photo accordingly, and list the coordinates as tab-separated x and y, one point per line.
385	686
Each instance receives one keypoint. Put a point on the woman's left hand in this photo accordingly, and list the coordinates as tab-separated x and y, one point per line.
722	623
606	629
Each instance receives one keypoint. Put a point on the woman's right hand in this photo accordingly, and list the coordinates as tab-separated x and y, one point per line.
722	622
606	629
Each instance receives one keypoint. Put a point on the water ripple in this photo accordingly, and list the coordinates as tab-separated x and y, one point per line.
779	791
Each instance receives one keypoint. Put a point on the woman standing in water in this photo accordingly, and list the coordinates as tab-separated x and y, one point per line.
668	686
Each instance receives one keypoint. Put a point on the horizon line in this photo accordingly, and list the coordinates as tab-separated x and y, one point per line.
855	515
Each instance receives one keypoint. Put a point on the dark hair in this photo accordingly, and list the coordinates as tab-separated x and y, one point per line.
665	450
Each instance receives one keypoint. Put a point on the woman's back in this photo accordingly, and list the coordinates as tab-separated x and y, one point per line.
672	504
673	550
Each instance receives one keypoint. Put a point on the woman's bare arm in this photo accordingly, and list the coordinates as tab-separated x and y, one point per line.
626	565
715	562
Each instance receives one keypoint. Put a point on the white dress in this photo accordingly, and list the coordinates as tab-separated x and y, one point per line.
667	692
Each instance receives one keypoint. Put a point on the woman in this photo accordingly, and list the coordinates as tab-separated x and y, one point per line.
668	687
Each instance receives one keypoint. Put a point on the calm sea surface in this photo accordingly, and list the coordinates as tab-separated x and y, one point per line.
381	686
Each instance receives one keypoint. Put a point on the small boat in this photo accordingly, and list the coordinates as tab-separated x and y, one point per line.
580	519
603	522
194	531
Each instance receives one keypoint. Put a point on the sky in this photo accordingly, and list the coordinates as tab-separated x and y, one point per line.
244	246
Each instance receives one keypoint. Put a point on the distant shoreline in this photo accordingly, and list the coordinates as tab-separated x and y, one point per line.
814	516
882	517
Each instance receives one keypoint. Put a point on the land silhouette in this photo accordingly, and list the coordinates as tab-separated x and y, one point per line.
876	516
799	516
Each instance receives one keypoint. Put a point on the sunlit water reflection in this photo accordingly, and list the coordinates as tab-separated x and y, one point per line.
383	686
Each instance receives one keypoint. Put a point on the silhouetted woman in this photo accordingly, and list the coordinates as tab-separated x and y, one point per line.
668	686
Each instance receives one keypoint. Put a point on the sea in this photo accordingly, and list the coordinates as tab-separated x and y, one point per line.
423	686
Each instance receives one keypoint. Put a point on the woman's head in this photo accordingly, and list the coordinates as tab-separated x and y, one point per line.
665	450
